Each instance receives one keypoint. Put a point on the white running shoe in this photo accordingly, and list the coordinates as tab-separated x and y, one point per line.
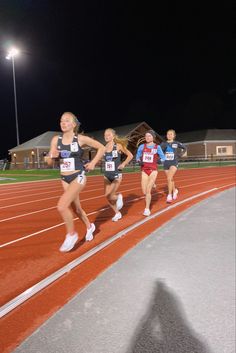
69	242
117	216
175	194
119	202
146	212
89	234
169	198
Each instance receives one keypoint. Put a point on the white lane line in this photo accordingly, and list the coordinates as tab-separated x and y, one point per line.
91	198
28	182
28	293
27	202
86	191
31	235
91	184
59	191
32	195
53	197
27	214
50	208
60	224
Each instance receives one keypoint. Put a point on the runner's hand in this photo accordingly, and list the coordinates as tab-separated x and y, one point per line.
121	166
53	154
89	166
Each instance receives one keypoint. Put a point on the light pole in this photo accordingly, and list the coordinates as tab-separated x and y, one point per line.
11	56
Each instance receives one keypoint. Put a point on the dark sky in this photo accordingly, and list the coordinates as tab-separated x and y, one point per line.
117	62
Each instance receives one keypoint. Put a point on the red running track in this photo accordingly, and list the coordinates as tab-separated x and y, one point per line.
31	232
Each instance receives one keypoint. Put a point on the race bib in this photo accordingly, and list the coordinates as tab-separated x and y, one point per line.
67	165
169	156
114	153
147	157
74	147
110	166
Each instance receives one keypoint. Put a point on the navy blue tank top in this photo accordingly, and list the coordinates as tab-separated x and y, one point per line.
112	160
70	155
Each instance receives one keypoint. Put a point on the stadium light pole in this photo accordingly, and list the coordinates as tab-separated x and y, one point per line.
11	56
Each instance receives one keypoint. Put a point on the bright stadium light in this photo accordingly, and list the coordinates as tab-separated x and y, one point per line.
11	56
12	53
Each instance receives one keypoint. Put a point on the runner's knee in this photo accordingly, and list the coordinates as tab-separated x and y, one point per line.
61	207
107	195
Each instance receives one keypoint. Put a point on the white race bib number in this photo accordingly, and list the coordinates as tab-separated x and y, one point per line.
169	156
110	166
147	157
74	147
114	153
67	165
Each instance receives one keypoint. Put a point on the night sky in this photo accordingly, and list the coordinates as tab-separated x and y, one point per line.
168	63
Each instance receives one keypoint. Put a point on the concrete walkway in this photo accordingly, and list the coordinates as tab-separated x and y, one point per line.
173	293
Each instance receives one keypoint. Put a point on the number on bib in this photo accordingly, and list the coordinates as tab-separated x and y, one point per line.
147	157
67	165
110	166
169	156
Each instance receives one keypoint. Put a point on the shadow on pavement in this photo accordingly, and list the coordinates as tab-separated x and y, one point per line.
164	328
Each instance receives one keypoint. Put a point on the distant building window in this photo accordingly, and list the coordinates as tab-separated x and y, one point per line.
223	150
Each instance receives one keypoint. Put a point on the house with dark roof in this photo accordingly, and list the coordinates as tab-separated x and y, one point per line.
209	144
31	153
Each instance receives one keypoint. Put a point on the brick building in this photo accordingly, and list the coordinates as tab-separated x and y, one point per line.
31	153
209	144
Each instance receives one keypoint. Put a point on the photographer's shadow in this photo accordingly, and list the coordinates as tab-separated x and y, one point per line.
164	328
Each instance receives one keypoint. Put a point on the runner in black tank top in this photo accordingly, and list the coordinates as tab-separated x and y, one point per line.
113	166
68	147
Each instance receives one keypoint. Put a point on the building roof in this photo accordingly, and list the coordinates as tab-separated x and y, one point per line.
207	135
124	130
43	141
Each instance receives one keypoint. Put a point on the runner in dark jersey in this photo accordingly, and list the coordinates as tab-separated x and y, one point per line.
172	150
113	166
68	147
147	155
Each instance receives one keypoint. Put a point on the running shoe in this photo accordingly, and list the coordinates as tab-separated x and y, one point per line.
117	216
119	202
175	194
69	242
89	234
169	199
146	212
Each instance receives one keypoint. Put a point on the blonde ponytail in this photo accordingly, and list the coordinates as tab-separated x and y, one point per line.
123	141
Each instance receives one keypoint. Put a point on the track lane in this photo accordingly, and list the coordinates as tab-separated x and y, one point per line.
22	321
31	218
41	255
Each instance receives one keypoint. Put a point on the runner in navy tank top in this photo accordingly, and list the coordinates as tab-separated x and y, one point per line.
68	147
113	166
172	150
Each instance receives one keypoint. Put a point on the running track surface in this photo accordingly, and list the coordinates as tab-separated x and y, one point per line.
31	232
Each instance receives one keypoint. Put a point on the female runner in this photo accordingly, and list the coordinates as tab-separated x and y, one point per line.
68	147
